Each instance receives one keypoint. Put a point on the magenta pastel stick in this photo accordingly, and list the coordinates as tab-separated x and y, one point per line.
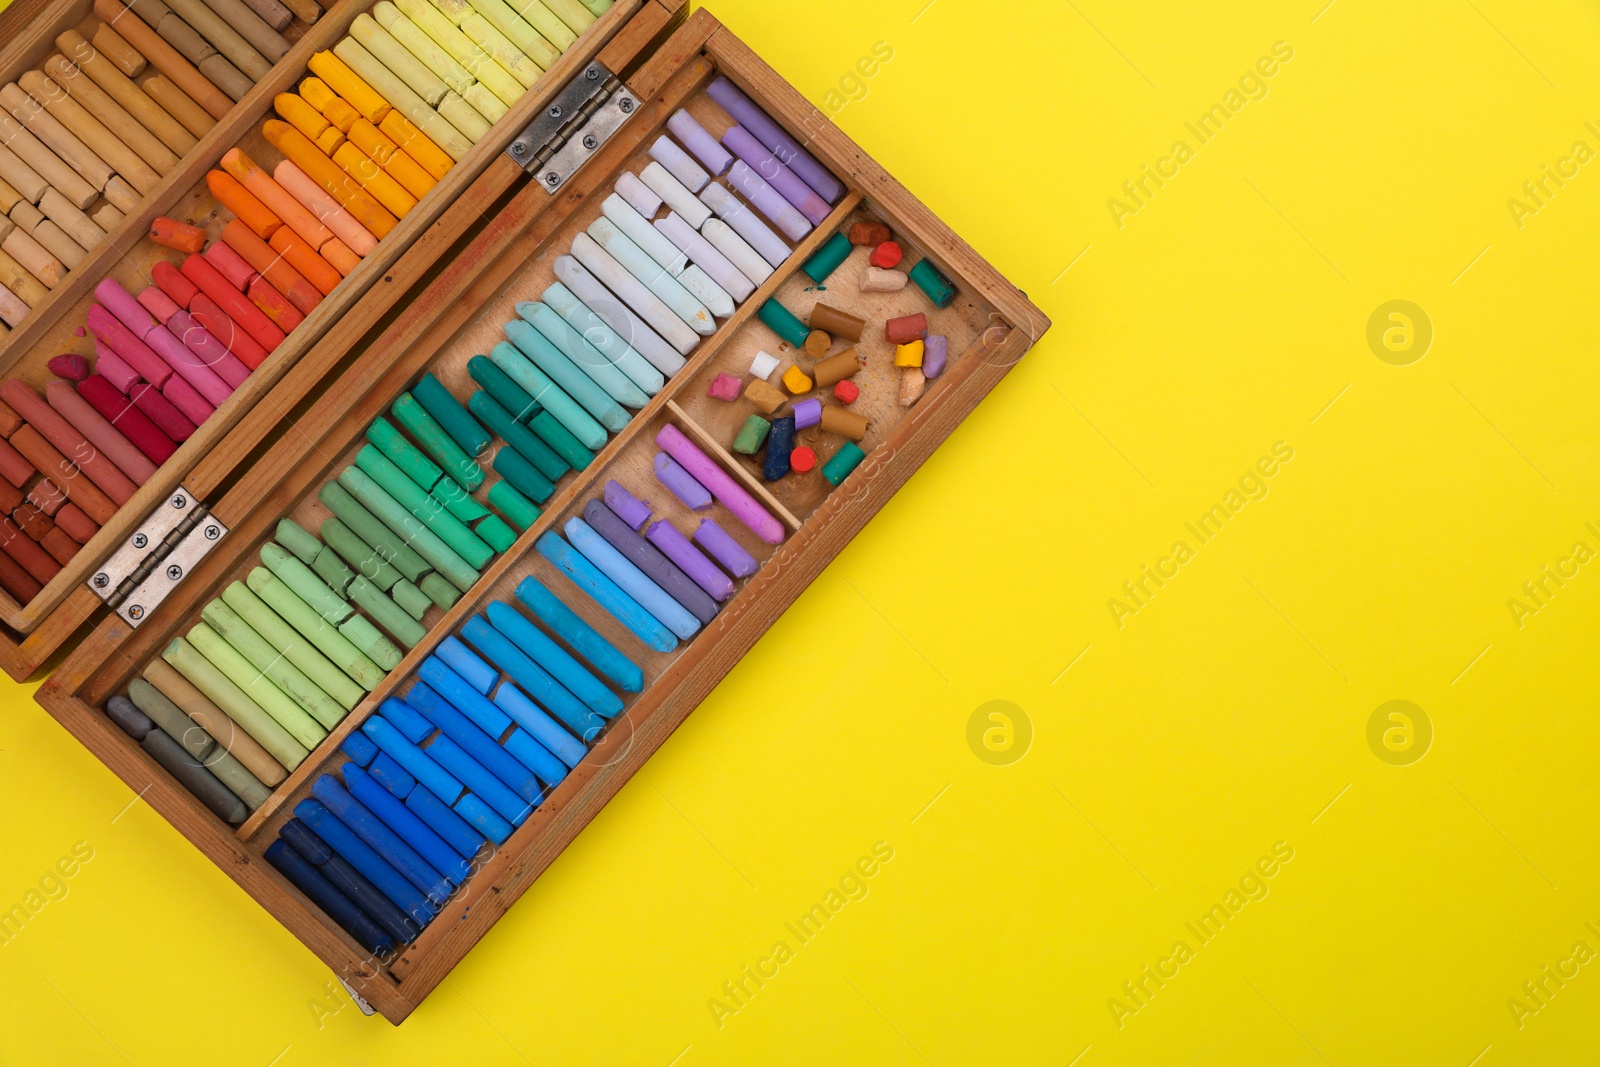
725	550
694	496
189	366
109	329
693	562
743	144
784	215
110	366
190	404
786	148
705	148
210	351
733	496
117	300
935	350
629	508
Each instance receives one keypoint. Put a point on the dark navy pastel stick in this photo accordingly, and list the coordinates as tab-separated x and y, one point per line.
465	662
457	832
340	908
453	758
530	677
410	722
429	845
416	762
473	809
648	558
349	881
371	829
391	775
493	722
359	748
553	658
390	882
532	718
589	643
477	744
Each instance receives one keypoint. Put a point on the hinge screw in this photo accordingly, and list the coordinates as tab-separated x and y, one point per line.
140	540
625	106
212	533
136	612
174	572
589	142
180	501
101	580
552	179
555	111
592	73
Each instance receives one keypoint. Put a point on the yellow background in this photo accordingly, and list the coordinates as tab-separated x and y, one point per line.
1228	714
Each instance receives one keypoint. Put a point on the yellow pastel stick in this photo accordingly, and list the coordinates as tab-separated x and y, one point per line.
416	144
461	115
517	31
577	17
540	18
485	103
478	63
350	85
501	50
401	63
343	116
388	192
315	92
439	129
299	113
427	51
386	154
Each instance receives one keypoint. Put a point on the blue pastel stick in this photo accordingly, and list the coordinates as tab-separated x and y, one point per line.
390	882
393	777
525	749
455	759
350	881
417	763
533	679
463	661
359	748
553	658
633	581
586	576
483	817
568	375
429	845
408	720
388	844
532	718
477	744
305	842
456	831
325	895
589	642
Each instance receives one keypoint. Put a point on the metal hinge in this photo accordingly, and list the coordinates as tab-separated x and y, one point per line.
158	555
573	126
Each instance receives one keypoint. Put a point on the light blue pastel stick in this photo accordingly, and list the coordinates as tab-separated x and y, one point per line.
631	579
531	677
583	355
484	819
637	262
567	374
553	658
606	341
618	315
465	662
532	718
417	763
590	643
575	565
533	381
526	749
499	796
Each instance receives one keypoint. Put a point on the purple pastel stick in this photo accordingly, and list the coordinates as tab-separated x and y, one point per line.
744	145
769	133
701	253
807	412
210	351
784	215
695	496
109	366
729	493
695	138
629	508
935	350
757	234
725	550
665	151
693	562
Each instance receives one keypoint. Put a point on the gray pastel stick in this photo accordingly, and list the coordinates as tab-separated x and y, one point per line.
199	744
195	778
708	292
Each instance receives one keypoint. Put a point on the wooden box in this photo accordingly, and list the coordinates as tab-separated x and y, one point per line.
31	632
504	233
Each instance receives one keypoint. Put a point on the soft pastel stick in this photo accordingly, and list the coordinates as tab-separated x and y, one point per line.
730	493
204	275
436	440
215	722
571	628
681	483
560	664
344	81
736	250
231	194
351	882
731	210
643	199
325	208
518	31
373	866
745	112
460	834
427	844
300	151
378	836
638	230
650	561
594	331
630	579
458	710
665	151
271	265
244	711
293	646
654	277
535	721
164	413
365	525
325	895
191	369
629	508
742	143
110	366
423	507
717	266
647	305
115	335
769	202
585	356
446	132
210	351
617	315
417	763
563	408
576	566
275	199
678	548
727	551
701	144
455	759
541	18
573	380
461	659
535	680
272	663
117	409
527	444
323	634
68	439
416	533
244	674
416	144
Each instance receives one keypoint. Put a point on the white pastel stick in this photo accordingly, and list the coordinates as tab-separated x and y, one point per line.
655	278
641	233
767	200
637	193
650	307
618	315
666	152
700	252
746	259
672	192
742	219
708	292
605	340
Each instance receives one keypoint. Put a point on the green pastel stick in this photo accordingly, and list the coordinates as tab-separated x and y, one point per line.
363	557
314	628
359	631
332	570
242	673
558	437
782	322
457	534
407	456
518	509
456	500
823	262
298	539
306	585
521	474
386	613
435	441
439	590
447	411
243	638
507	393
369	528
518	436
571	377
495	531
843	462
199	744
408	596
557	403
931	280
250	717
301	652
416	533
751	435
598	7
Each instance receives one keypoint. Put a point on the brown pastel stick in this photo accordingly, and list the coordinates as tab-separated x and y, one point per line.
107	438
31	220
838	323
120	193
272	13
14	466
11	497
15	579
34	522
46	496
179	104
9	197
28	148
109	43
107	217
214	721
61	547
229	41
164	58
20	176
34	257
12	308
79	526
93	461
306	10
225	76
15	276
248	25
10	421
60	140
91	132
74	223
110	114
79	489
150	114
22	548
180	35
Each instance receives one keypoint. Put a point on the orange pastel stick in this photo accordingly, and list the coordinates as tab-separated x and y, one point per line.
360	166
239	200
416	144
276	198
271	266
170	233
386	154
350	85
338	253
303	258
273	304
361	205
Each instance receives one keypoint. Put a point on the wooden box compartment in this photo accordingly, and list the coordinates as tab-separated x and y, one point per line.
458	314
31	632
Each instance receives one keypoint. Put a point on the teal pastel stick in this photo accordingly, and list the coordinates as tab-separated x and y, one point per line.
507	393
557	404
561	439
494	530
553	658
448	412
436	440
604	339
457	501
457	534
534	679
537	723
590	643
568	375
518	509
412	531
586	576
631	579
606	374
518	436
522	475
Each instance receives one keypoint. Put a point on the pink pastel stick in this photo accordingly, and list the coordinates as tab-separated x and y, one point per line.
729	493
190	367
159	304
326	208
108	329
121	303
230	265
212	352
183	397
109	366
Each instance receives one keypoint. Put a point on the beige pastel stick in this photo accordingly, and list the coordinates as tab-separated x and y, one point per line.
305	10
111	114
12	308
109	43
227	40
107	216
226	76
182	36
92	132
74	223
31	219
9	197
461	115
119	87
16	277
272	13
485	103
179	104
60	140
214	721
500	49
46	163
431	21
392	54
21	177
165	58
121	194
34	257
402	99
249	25
517	30
427	51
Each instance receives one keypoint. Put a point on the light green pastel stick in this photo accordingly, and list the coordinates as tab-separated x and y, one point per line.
250	716
314	628
392	54
485	103
460	114
401	98
557	403
332	570
363	557
436	441
575	380
439	591
359	631
413	600
583	355
306	585
599	7
416	534
199	744
518	31
454	10
577	17
501	49
387	614
272	663
298	539
541	18
457	534
248	677
301	652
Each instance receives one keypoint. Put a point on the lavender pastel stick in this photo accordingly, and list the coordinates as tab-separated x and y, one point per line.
717	266
631	580
733	496
666	152
695	496
672	193
637	193
725	550
704	147
657	567
784	215
629	508
749	150
744	222
935	350
617	315
693	562
747	114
